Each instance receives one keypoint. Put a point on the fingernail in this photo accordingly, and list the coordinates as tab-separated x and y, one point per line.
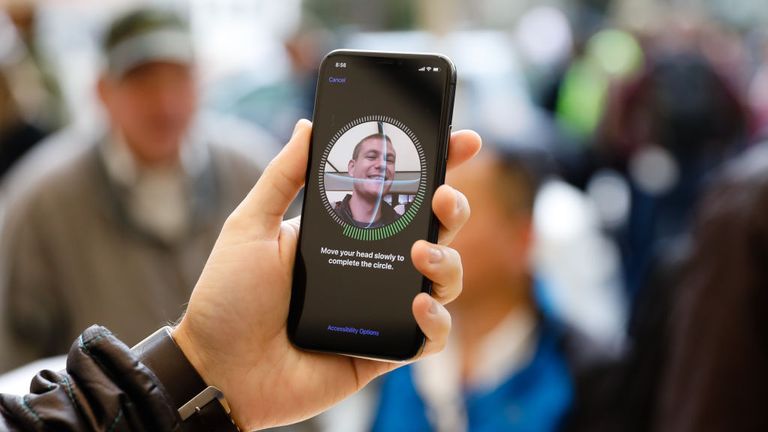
435	255
296	128
434	308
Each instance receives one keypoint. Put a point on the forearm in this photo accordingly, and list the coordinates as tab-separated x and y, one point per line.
104	388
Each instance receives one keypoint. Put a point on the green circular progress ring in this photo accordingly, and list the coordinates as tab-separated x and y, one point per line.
389	230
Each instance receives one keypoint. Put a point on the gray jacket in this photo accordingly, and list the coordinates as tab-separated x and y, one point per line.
71	257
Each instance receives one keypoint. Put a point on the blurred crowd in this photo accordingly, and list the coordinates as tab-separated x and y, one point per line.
613	273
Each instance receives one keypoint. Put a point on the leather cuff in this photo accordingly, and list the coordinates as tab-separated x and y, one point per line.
200	407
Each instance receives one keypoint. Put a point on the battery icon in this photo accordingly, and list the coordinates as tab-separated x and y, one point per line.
434	69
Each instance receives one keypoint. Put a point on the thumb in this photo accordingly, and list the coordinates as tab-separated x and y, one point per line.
263	208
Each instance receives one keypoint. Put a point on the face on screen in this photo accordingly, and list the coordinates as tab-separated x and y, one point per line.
378	147
371	175
372	168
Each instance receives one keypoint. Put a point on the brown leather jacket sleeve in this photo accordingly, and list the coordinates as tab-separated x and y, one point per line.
104	388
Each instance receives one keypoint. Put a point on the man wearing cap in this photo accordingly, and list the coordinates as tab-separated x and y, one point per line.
118	232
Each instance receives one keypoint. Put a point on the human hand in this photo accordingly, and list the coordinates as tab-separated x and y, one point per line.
234	331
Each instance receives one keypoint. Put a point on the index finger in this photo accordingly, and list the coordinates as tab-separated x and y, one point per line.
464	144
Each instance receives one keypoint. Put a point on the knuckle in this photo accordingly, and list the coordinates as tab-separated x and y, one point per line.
234	221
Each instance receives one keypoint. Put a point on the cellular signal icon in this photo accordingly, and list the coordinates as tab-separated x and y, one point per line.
422	69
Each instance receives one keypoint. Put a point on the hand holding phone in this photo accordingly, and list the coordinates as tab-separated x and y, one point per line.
234	331
378	154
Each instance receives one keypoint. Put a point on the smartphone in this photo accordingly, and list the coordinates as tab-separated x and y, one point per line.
378	152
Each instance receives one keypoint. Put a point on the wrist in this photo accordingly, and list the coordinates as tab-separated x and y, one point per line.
200	406
192	352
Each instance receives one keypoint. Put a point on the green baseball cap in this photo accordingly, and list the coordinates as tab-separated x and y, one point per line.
146	35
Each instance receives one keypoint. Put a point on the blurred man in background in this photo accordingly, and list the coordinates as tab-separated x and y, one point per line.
509	366
118	233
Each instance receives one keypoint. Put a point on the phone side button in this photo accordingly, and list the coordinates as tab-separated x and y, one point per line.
448	144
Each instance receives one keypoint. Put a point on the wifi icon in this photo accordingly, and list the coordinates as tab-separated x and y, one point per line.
429	68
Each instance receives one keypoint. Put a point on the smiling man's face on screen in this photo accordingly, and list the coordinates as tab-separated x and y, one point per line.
373	167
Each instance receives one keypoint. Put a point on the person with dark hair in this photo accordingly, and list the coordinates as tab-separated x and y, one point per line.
511	364
372	170
714	376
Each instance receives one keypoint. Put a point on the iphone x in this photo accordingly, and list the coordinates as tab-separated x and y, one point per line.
378	152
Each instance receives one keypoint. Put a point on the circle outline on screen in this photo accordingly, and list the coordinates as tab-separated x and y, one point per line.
391	229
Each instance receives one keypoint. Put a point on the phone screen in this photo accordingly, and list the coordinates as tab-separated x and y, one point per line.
379	144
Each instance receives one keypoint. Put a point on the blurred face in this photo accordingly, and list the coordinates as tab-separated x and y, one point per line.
152	106
374	168
495	242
